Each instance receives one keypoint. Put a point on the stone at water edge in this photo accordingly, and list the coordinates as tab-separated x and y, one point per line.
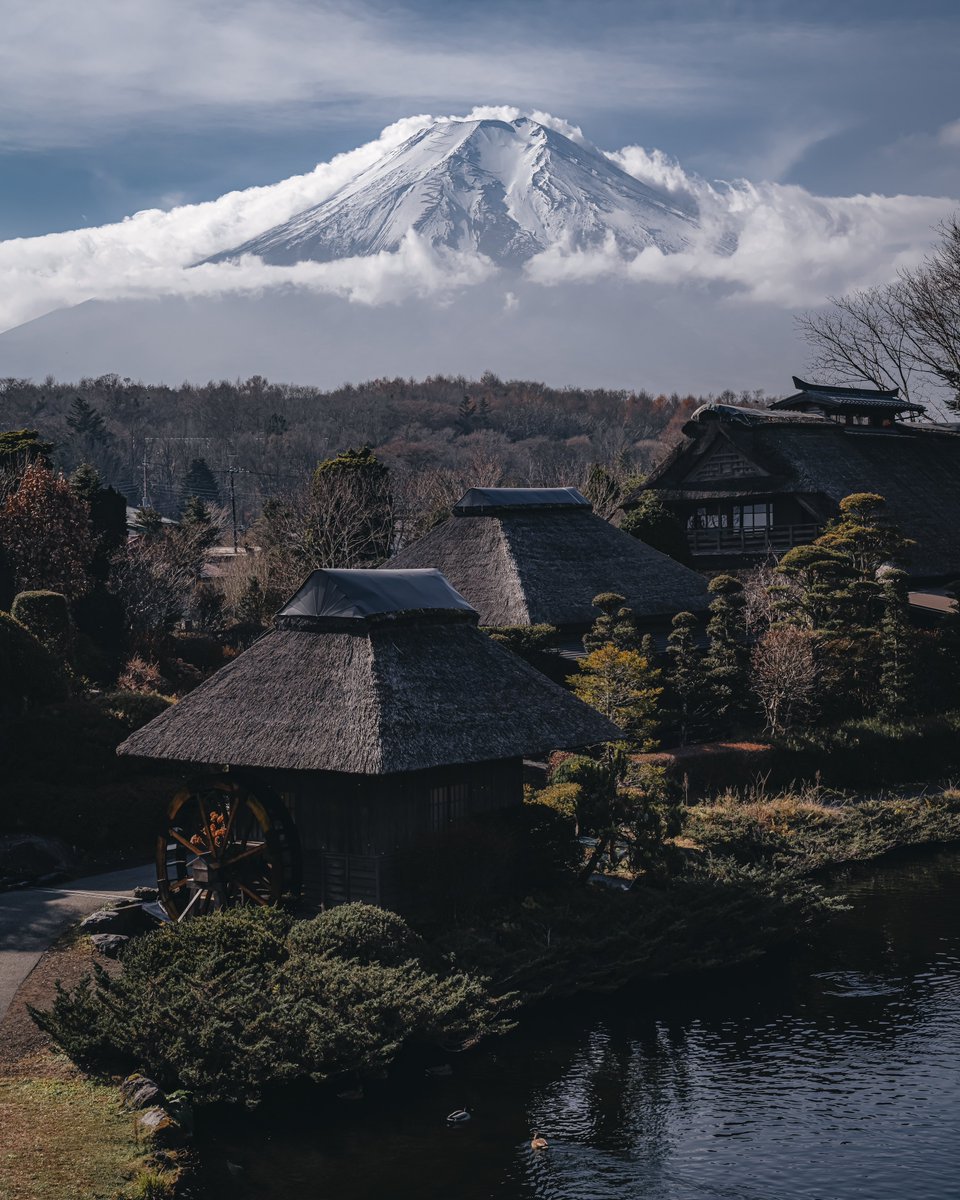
137	1091
157	1126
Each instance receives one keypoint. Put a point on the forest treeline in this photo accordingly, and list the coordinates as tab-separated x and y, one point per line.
267	438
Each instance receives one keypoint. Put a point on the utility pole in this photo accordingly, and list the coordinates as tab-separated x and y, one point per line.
233	506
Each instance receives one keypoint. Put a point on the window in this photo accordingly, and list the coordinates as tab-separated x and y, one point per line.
448	803
708	518
753	516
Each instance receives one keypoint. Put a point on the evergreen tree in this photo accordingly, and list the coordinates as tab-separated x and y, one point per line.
687	683
108	516
351	519
149	523
466	411
87	425
624	686
21	446
897	647
650	520
200	481
616	625
726	660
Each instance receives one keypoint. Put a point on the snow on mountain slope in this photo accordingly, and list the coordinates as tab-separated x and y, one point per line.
507	190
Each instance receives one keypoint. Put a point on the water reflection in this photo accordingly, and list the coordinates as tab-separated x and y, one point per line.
831	1072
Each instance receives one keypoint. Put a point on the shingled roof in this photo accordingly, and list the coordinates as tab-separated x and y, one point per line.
915	468
371	673
543	563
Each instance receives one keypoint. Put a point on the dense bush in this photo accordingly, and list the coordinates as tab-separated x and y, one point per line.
62	777
47	616
807	830
235	1003
486	859
864	752
28	672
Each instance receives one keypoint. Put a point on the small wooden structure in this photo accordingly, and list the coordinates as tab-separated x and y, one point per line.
529	556
373	715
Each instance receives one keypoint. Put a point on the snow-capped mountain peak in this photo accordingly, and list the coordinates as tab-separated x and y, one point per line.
507	190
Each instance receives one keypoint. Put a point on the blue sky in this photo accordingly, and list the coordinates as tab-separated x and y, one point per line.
112	106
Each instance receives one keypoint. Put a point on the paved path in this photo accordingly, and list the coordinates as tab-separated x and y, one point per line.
31	919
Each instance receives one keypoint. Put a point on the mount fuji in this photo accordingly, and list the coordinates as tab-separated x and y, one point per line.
491	241
505	189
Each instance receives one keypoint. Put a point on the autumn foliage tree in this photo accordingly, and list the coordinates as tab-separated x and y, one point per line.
46	533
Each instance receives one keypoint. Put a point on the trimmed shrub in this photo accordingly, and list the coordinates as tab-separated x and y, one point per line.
233	1004
358	933
47	616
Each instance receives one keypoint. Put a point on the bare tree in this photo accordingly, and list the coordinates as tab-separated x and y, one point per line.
783	674
904	335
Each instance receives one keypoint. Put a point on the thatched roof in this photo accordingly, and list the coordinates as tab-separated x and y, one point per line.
520	565
916	468
393	690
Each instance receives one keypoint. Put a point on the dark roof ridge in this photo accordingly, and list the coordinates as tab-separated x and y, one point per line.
843	390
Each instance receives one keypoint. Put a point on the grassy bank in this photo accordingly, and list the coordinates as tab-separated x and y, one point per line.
811	829
64	1136
65	1139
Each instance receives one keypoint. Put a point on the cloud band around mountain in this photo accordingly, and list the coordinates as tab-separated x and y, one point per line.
783	245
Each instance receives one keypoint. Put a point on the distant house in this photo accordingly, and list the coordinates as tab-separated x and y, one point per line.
530	556
372	716
751	483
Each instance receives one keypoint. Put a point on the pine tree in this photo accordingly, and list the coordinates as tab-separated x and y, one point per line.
466	411
200	481
725	663
897	647
686	679
616	625
651	521
86	424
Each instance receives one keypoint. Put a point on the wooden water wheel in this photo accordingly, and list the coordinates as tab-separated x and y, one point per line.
223	845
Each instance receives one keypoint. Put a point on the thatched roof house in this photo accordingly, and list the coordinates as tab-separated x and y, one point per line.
749	482
380	713
529	556
370	672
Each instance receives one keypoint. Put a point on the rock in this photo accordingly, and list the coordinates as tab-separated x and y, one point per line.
146	895
104	920
137	1091
109	944
127	918
157	1126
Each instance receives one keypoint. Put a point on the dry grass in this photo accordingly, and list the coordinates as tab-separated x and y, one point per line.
62	1137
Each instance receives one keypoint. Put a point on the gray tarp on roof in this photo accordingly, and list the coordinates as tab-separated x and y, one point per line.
364	593
479	500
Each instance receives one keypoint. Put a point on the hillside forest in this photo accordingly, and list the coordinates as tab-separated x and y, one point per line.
160	445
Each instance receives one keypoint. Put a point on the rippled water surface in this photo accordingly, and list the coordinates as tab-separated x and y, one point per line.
831	1072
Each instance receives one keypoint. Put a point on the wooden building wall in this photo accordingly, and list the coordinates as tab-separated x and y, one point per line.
352	827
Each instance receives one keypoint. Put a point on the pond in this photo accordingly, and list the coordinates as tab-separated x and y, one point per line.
830	1071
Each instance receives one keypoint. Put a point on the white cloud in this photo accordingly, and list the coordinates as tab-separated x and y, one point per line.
779	244
949	134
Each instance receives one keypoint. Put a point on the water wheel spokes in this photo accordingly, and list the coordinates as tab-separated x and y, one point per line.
223	846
